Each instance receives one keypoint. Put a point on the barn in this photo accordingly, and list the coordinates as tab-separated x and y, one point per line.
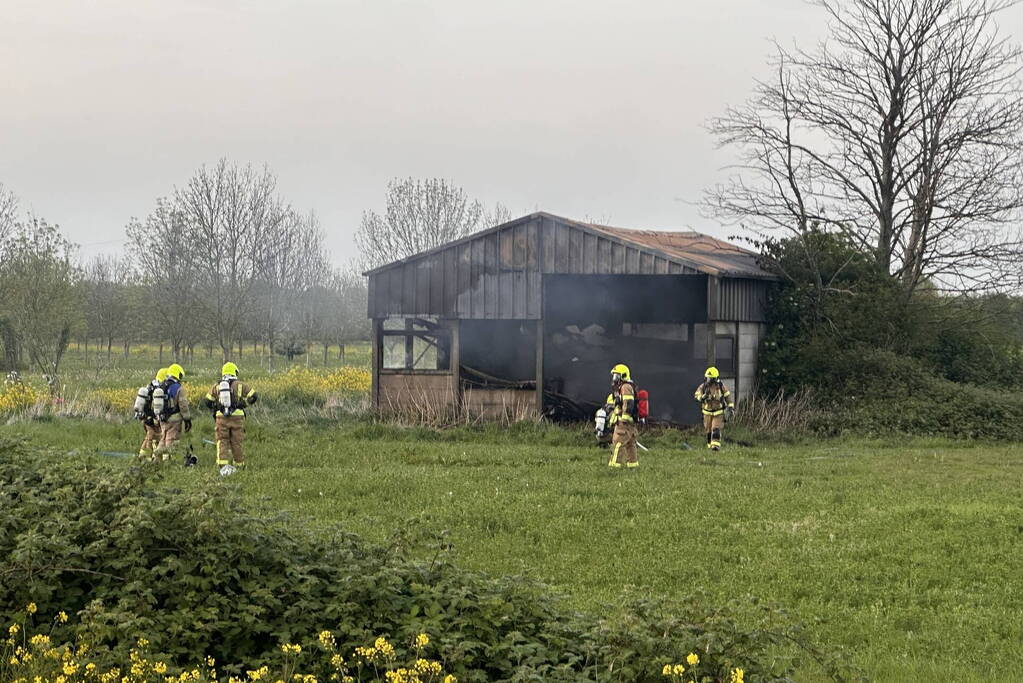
528	317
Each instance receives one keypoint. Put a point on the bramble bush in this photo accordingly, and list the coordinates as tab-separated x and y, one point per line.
198	576
878	360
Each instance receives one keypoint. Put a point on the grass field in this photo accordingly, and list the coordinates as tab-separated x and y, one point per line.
908	551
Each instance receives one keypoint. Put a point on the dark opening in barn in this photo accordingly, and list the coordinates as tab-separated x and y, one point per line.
529	317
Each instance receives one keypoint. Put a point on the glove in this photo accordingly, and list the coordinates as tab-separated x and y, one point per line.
210	405
730	412
188	425
252	399
138	415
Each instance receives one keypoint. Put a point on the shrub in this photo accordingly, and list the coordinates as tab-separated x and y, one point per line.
198	576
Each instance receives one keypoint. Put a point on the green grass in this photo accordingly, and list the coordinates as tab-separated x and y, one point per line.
909	551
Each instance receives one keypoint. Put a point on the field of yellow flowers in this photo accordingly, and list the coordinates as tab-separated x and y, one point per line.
102	390
33	657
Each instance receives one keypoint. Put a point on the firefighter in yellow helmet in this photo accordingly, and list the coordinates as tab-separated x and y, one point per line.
624	416
176	415
715	400
228	398
144	413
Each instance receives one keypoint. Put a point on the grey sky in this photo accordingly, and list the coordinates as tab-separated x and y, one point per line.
581	108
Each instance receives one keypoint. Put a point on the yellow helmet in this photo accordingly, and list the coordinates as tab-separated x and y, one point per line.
621	370
161	374
229	369
176	371
712	373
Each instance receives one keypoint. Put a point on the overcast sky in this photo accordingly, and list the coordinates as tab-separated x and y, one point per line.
585	108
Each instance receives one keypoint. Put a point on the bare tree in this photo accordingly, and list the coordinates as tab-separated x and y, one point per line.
168	268
418	215
904	131
292	260
229	212
108	305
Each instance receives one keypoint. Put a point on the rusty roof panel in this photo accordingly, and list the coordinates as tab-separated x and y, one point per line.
703	252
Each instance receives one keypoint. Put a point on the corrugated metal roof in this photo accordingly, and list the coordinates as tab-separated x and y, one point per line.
689	249
703	252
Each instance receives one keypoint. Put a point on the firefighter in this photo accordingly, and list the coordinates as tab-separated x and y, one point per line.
624	416
228	398
715	400
176	415
145	414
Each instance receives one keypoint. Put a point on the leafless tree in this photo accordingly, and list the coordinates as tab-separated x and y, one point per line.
292	260
904	130
108	300
229	211
168	268
418	215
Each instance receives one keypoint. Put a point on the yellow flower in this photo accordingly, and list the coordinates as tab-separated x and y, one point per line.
210	661
422	640
450	679
160	668
693	659
31	608
678	670
13	629
291	649
143	643
737	675
337	661
62	617
70	668
327	640
666	671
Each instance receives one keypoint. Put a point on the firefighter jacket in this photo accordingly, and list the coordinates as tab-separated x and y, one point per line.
176	404
714	397
625	402
242	395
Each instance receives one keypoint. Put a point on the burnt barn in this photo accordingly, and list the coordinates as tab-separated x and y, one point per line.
530	316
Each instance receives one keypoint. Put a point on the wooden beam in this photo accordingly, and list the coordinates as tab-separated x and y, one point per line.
377	361
539	365
456	364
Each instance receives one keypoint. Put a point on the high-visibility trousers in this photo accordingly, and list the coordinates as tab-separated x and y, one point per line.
623	445
151	438
170	435
230	433
712	424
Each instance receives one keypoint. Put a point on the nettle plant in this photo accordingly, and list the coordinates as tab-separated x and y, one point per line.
200	578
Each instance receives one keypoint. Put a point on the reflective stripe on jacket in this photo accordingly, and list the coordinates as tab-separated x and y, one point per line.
242	394
713	398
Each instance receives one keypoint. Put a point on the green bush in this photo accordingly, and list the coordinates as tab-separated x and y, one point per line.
198	575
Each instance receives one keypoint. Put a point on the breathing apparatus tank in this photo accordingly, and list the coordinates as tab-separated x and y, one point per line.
141	399
643	404
159	401
600	422
224	396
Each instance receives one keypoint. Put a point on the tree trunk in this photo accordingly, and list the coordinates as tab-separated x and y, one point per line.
326	348
110	343
341	353
161	353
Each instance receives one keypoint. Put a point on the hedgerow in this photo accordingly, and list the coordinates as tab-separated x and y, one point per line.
198	576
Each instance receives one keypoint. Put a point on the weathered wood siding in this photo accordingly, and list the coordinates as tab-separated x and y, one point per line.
497	274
